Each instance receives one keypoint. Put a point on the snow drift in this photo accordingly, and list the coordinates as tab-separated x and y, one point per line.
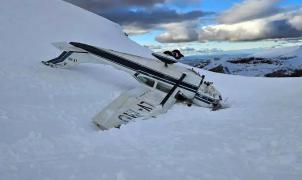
45	114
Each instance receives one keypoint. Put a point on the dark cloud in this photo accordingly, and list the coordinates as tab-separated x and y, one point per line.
151	17
248	20
138	16
99	6
281	29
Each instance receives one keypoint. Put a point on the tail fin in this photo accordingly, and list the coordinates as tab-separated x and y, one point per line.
70	56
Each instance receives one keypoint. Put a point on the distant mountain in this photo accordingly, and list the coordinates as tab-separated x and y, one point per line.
276	62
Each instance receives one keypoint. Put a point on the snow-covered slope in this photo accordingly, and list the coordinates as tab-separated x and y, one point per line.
286	61
45	114
294	51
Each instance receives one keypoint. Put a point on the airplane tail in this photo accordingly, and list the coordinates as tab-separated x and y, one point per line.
70	56
63	60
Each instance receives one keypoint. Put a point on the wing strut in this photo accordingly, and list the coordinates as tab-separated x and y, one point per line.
163	102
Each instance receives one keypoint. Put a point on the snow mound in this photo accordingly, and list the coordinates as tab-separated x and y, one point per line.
45	114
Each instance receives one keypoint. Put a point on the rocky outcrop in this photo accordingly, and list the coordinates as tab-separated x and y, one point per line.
254	60
220	69
285	73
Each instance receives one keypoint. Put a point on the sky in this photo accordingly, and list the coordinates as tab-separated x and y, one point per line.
204	26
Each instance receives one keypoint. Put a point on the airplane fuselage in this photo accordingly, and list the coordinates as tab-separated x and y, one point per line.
150	72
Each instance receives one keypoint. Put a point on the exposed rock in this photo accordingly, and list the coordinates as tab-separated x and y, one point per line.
220	69
285	73
253	60
202	64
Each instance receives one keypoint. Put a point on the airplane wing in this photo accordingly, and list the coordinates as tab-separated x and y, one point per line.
142	102
138	103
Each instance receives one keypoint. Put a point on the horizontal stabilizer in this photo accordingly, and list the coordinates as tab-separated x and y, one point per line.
64	46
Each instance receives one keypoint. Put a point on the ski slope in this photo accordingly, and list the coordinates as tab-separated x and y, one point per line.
45	114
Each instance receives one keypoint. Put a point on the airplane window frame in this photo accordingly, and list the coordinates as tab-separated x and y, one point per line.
148	81
163	87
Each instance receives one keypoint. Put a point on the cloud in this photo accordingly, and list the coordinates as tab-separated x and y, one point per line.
296	21
188	49
191	50
151	17
254	20
249	21
143	21
184	3
135	30
283	25
98	6
103	5
249	10
246	21
179	32
154	47
209	50
138	17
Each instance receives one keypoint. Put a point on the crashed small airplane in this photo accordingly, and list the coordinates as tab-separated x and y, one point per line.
163	81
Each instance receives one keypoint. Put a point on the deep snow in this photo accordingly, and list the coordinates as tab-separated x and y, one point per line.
45	114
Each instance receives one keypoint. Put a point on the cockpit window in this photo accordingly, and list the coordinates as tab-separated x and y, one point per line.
147	81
